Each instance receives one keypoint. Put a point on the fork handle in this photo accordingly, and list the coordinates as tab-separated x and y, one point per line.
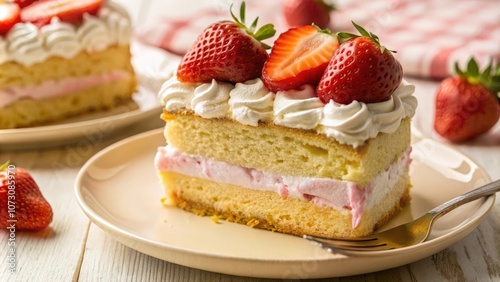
485	190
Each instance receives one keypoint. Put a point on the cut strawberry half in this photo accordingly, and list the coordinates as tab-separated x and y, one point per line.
71	11
9	16
299	56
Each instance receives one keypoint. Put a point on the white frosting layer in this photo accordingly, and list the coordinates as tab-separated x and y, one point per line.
28	45
343	196
251	102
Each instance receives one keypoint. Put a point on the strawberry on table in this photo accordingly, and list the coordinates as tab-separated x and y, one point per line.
299	56
21	202
9	16
361	69
467	104
71	11
227	51
306	12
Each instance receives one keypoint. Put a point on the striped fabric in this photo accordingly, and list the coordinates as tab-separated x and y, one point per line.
428	35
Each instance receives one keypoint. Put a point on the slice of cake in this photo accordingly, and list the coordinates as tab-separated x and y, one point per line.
276	150
63	60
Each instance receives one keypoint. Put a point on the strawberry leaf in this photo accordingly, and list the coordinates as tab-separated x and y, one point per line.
5	165
472	68
265	32
344	36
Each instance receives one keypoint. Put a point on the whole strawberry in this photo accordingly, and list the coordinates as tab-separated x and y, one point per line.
467	104
306	12
299	56
227	51
21	203
361	69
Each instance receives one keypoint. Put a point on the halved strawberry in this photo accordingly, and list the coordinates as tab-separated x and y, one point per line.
24	3
71	11
9	16
299	56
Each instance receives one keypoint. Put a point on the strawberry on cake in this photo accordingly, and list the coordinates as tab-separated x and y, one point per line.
315	139
61	58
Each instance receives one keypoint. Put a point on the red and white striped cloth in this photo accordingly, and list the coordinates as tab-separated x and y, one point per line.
428	35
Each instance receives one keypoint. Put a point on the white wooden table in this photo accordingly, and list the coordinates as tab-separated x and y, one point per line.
74	249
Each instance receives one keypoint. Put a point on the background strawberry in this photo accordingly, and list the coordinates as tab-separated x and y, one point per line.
361	69
299	56
467	104
71	11
9	16
226	51
32	211
306	12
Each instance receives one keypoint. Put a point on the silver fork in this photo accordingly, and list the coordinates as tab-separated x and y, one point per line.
405	235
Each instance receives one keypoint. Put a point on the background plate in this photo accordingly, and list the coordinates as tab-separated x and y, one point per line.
119	191
152	65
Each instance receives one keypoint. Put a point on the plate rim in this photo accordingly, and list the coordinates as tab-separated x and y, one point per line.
124	236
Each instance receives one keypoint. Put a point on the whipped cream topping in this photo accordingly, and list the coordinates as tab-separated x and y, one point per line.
211	100
27	44
298	108
343	196
251	102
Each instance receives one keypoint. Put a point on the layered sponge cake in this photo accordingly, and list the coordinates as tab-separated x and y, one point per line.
275	150
55	66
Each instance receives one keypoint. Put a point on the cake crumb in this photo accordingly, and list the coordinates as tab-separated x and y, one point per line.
215	219
253	222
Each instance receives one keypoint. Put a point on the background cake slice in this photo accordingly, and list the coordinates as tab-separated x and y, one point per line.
54	66
287	160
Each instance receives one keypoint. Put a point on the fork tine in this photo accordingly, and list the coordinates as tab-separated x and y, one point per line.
347	243
361	239
342	247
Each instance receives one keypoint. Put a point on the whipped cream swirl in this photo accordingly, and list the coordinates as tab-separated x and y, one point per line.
298	108
26	44
211	100
176	95
60	39
357	122
251	102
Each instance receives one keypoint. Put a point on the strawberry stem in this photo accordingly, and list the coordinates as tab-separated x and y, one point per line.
489	77
344	36
5	165
265	32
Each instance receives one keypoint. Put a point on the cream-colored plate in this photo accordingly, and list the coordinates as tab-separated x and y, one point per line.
119	191
152	66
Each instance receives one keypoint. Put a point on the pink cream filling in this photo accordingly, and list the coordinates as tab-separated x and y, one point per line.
58	88
344	196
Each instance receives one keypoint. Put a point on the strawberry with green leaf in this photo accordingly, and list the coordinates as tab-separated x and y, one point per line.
361	69
299	56
467	105
21	202
227	51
